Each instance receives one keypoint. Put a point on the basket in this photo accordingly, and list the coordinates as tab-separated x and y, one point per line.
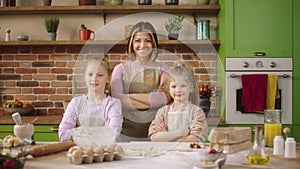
21	110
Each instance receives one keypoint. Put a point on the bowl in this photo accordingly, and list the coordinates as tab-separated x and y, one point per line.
22	38
24	131
204	156
21	110
96	137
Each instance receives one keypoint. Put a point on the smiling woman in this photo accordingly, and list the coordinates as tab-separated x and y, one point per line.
136	82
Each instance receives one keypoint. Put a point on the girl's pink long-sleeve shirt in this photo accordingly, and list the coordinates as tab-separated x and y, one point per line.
112	114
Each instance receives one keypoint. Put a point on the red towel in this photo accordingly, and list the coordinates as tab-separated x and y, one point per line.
254	89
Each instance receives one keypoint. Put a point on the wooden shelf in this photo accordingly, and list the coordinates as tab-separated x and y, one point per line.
109	9
215	43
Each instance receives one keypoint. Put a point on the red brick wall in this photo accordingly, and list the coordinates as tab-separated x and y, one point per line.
42	75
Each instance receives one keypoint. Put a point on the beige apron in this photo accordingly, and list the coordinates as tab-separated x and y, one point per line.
178	119
137	122
86	119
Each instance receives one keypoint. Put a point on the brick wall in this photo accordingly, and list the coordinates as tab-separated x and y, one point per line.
42	75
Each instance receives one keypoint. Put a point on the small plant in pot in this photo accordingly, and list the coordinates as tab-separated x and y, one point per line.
173	25
51	24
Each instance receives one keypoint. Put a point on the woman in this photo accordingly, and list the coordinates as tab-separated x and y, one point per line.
136	83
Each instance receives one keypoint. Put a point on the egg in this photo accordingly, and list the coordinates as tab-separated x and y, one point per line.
72	149
88	152
77	153
99	151
119	149
108	149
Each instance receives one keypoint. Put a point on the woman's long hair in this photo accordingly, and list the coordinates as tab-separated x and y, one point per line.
143	27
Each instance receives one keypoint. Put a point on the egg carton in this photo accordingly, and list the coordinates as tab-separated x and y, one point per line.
96	158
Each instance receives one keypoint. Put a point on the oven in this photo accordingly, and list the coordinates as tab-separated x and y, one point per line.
236	67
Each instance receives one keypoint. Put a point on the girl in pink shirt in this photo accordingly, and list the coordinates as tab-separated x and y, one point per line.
96	108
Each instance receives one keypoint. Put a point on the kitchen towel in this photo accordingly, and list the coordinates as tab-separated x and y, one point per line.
272	91
254	89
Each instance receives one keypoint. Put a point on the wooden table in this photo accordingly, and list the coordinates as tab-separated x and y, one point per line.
170	159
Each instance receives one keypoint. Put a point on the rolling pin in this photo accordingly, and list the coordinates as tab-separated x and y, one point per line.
41	150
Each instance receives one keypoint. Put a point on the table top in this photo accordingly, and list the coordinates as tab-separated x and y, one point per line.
173	159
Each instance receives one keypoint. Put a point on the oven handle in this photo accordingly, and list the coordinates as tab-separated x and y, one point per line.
284	75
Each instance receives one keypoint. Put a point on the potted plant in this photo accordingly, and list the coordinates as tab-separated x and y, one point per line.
171	2
145	2
116	2
173	25
51	24
47	2
85	33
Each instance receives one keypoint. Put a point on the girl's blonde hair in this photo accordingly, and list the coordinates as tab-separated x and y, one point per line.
103	62
143	27
180	69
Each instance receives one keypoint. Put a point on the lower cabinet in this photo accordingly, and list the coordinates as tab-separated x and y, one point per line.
41	132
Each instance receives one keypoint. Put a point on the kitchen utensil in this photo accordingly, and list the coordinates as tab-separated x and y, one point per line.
95	136
17	118
35	119
24	131
41	150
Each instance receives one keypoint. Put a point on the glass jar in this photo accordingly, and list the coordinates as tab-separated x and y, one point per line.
272	125
202	29
257	154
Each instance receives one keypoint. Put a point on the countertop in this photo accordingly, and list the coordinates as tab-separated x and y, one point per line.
51	119
170	159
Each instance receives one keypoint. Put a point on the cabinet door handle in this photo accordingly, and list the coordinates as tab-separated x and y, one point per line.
54	129
259	54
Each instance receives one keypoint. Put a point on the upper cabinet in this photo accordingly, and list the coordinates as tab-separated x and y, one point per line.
258	28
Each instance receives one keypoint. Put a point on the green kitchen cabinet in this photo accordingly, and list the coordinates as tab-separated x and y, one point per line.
296	67
250	26
41	132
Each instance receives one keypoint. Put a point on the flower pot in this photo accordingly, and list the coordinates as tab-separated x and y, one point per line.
173	36
205	105
47	2
87	2
116	2
202	2
171	2
52	36
145	2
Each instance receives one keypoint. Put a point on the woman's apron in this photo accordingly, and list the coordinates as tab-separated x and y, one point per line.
136	122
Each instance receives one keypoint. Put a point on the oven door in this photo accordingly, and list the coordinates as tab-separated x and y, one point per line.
234	114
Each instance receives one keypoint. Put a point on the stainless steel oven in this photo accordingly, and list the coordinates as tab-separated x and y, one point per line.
236	67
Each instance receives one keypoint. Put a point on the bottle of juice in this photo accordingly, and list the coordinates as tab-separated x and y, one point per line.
272	125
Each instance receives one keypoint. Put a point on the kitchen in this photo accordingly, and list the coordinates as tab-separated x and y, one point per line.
54	109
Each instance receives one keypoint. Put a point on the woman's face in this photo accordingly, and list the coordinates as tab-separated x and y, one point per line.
179	90
142	46
96	77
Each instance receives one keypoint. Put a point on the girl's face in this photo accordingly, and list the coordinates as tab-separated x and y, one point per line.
96	77
180	89
142	46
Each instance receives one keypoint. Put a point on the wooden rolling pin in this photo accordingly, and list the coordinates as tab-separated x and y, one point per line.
41	150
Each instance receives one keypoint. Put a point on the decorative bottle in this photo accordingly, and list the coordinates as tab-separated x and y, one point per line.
257	154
